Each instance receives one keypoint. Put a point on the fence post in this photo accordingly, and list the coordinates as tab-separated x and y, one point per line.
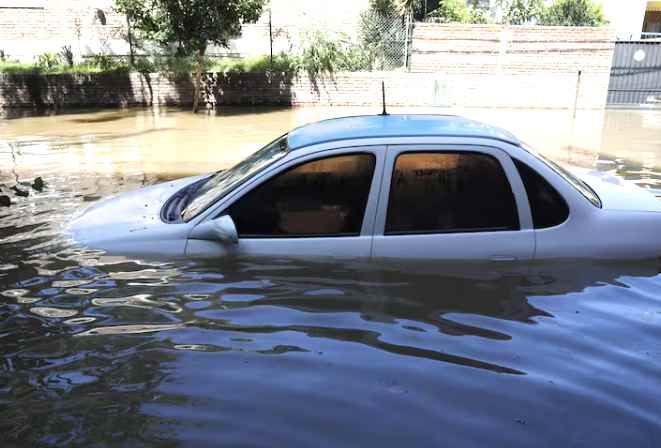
270	38
409	28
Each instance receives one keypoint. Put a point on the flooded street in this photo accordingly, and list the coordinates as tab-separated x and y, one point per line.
109	351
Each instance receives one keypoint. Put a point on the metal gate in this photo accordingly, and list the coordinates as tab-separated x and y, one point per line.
636	73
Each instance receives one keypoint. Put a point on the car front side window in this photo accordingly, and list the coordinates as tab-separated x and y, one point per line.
449	192
323	197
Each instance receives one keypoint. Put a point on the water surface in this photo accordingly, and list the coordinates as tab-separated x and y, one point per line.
109	351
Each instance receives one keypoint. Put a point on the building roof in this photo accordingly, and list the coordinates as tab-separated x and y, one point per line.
375	126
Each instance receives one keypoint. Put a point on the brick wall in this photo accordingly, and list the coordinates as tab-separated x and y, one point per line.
515	65
510	49
134	89
556	91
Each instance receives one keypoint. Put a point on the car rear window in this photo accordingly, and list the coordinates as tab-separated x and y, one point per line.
449	192
548	207
572	180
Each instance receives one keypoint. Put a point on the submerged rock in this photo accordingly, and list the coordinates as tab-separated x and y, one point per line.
19	192
38	184
4	200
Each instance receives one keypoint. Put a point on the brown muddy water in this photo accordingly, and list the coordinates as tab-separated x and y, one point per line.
108	351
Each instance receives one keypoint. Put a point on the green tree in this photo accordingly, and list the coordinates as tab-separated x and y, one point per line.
190	26
458	11
573	13
521	12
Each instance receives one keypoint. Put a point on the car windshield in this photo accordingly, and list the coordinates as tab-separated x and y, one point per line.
574	181
223	182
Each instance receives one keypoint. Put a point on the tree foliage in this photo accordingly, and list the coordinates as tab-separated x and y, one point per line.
573	13
457	11
560	12
521	12
190	26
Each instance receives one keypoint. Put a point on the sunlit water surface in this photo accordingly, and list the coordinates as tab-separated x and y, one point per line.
98	351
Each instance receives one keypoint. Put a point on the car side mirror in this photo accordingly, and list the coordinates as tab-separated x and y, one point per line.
220	229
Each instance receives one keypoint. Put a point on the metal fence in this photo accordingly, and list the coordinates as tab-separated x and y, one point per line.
386	38
636	73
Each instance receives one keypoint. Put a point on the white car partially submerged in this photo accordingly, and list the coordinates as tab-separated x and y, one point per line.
386	186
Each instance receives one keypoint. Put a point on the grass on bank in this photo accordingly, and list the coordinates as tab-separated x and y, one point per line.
171	65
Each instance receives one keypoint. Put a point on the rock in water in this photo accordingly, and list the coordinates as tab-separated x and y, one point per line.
4	200
38	184
20	192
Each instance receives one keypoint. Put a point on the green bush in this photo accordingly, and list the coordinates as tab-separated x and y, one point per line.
106	62
281	63
48	62
66	55
323	54
573	13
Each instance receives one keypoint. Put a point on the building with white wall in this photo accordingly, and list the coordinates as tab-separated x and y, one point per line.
29	28
629	18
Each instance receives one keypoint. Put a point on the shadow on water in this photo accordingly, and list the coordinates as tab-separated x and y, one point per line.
106	117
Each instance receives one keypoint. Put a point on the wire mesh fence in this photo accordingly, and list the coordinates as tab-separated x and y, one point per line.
386	39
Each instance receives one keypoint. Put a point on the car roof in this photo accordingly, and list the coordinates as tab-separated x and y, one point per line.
384	126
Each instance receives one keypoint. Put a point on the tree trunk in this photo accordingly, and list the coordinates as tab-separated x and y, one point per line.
197	82
130	39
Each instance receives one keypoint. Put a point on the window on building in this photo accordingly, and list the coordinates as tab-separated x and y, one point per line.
548	207
449	192
324	197
100	17
652	20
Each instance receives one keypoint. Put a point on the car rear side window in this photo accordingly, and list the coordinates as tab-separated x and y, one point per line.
449	192
548	207
325	197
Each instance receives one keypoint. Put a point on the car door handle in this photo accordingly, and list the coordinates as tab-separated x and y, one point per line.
502	258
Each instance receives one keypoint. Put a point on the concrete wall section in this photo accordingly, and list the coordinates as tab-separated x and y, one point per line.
31	28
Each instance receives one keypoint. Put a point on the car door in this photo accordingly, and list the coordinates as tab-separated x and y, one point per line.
452	203
320	205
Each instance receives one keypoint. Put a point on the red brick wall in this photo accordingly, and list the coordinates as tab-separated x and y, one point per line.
516	66
456	48
550	91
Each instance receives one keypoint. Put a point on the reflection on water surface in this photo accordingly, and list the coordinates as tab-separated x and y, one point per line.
98	350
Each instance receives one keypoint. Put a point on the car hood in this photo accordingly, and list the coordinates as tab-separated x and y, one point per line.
618	194
129	212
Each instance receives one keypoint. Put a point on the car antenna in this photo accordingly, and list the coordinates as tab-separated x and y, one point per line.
383	97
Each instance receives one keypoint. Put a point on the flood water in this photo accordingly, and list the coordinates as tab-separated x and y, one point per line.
110	351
